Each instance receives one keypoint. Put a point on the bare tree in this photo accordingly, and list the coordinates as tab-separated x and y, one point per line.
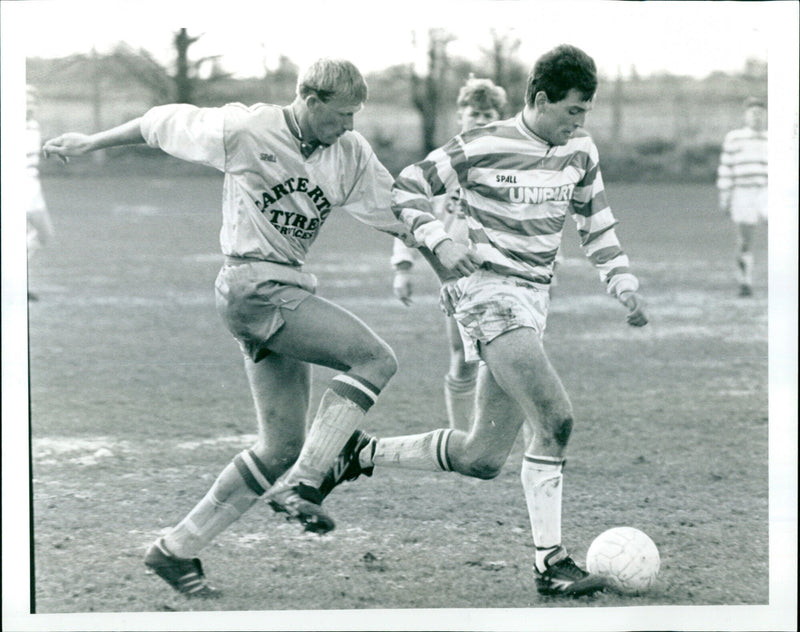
617	99
501	55
187	71
184	79
427	91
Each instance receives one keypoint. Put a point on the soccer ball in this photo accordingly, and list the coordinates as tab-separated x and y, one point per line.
627	557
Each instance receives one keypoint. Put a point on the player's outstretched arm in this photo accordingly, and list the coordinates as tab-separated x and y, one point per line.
636	311
74	144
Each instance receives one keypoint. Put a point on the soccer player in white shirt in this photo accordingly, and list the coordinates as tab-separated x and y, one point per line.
742	183
520	178
479	102
286	169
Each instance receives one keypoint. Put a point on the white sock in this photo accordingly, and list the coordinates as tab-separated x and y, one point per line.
541	480
340	412
228	499
426	451
459	399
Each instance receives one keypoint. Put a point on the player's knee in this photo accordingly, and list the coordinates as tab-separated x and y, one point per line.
485	465
486	468
277	457
462	370
382	362
562	429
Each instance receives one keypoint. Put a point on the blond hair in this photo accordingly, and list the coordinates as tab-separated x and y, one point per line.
482	94
333	78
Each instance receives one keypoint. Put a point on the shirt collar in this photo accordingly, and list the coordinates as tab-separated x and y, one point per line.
306	148
521	124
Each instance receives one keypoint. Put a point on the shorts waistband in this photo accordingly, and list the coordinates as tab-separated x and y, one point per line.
278	272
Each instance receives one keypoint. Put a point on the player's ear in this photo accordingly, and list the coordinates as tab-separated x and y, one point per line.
540	100
312	101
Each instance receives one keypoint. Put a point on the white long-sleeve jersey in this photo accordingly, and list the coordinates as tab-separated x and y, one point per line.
518	190
743	163
275	199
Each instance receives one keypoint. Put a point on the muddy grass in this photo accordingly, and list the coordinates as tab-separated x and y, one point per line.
139	399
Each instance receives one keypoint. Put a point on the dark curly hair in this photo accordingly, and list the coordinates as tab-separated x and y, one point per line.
560	70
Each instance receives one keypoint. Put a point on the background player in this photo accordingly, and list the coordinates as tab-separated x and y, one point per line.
520	178
39	225
479	102
285	169
742	184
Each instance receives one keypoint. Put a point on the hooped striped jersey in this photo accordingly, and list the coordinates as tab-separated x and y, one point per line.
744	160
518	190
276	195
447	208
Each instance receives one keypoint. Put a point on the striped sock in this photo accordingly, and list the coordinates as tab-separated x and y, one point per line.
542	481
236	489
426	451
340	411
459	399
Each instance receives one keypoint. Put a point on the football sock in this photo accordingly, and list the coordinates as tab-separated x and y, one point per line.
236	489
426	451
341	410
459	398
541	480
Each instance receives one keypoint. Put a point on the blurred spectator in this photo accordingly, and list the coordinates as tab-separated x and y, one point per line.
39	226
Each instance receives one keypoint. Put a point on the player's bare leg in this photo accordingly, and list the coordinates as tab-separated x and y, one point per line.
517	365
280	388
522	369
459	383
320	332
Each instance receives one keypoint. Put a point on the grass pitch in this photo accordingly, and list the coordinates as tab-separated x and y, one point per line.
138	400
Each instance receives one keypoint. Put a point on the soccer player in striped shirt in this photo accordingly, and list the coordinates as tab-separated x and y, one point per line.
286	169
479	102
742	184
520	178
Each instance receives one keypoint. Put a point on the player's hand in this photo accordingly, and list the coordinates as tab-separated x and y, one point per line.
67	146
635	304
402	287
457	257
449	296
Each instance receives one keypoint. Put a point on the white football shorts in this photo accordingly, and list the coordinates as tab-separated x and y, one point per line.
250	296
492	304
749	205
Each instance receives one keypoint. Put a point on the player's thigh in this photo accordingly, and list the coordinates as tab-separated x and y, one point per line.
281	389
497	420
520	366
321	332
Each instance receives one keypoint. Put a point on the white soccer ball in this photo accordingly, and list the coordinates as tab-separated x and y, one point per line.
627	557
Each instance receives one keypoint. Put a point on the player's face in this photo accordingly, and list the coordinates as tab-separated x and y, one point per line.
330	120
471	117
756	118
557	121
